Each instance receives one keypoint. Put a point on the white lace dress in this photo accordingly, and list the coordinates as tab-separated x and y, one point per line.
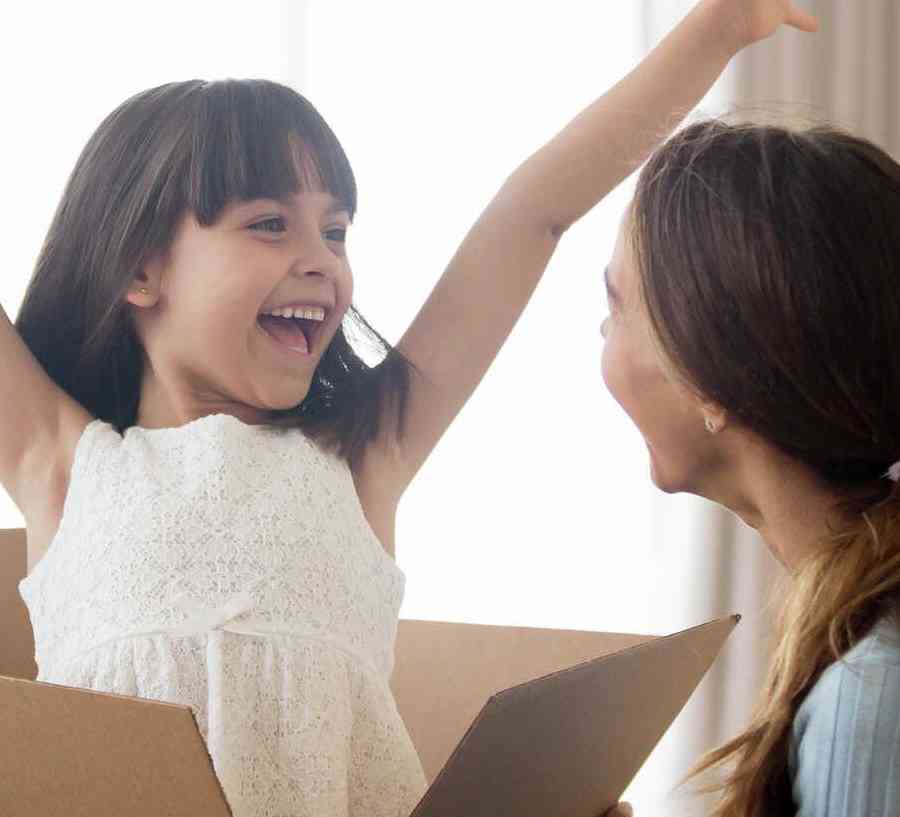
230	567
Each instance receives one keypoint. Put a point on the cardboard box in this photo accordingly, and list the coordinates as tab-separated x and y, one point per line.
444	674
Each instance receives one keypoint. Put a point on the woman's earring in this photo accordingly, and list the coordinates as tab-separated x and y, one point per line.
144	290
710	425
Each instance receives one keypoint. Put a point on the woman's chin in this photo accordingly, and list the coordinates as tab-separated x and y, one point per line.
657	477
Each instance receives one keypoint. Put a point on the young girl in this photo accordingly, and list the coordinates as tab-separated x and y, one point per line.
208	472
753	339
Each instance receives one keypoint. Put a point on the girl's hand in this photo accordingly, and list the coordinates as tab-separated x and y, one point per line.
749	21
621	810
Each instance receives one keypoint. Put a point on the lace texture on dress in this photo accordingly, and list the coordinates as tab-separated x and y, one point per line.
230	568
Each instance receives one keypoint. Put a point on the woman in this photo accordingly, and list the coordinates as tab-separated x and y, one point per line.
754	339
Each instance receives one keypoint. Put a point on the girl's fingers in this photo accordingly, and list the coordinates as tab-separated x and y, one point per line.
798	18
620	810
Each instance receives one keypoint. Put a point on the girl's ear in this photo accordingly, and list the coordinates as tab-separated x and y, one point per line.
145	288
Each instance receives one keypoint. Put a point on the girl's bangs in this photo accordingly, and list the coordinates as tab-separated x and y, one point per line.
257	139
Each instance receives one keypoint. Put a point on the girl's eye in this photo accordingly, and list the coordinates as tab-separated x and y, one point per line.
604	327
265	226
259	224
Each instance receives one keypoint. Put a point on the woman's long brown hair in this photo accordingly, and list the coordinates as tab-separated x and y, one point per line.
769	263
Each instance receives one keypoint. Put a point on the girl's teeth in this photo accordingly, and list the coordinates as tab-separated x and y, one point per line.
315	313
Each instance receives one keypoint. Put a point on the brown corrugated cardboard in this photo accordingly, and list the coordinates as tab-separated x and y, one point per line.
570	743
79	753
444	674
16	642
445	671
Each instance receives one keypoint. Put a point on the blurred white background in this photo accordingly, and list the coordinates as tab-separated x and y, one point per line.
531	511
536	508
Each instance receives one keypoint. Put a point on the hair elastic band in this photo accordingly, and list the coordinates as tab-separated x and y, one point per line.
893	473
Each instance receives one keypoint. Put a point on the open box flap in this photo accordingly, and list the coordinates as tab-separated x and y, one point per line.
445	671
570	743
92	754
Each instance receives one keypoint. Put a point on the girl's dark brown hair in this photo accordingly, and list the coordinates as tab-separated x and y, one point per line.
769	263
194	146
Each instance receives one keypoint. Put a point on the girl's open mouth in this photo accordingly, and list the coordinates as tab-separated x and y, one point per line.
296	334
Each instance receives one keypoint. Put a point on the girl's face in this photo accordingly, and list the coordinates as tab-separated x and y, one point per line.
684	456
201	323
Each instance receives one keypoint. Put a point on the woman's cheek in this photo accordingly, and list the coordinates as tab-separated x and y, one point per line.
605	365
625	373
611	365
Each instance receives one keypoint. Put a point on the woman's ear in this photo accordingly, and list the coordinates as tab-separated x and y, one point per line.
715	418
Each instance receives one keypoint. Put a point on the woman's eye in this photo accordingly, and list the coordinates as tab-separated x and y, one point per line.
337	234
604	327
261	228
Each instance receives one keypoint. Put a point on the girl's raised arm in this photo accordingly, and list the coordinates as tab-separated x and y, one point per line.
39	428
475	304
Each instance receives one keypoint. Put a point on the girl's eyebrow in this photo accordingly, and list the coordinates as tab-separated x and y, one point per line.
287	200
335	207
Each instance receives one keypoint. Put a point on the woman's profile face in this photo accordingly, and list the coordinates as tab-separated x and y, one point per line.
683	455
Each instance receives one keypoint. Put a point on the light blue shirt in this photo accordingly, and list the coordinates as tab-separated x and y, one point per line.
844	756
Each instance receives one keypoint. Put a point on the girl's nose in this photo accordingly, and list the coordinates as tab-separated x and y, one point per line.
316	261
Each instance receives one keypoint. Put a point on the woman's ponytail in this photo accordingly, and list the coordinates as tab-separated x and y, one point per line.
835	597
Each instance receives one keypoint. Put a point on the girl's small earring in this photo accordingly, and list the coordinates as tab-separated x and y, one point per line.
144	290
710	425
